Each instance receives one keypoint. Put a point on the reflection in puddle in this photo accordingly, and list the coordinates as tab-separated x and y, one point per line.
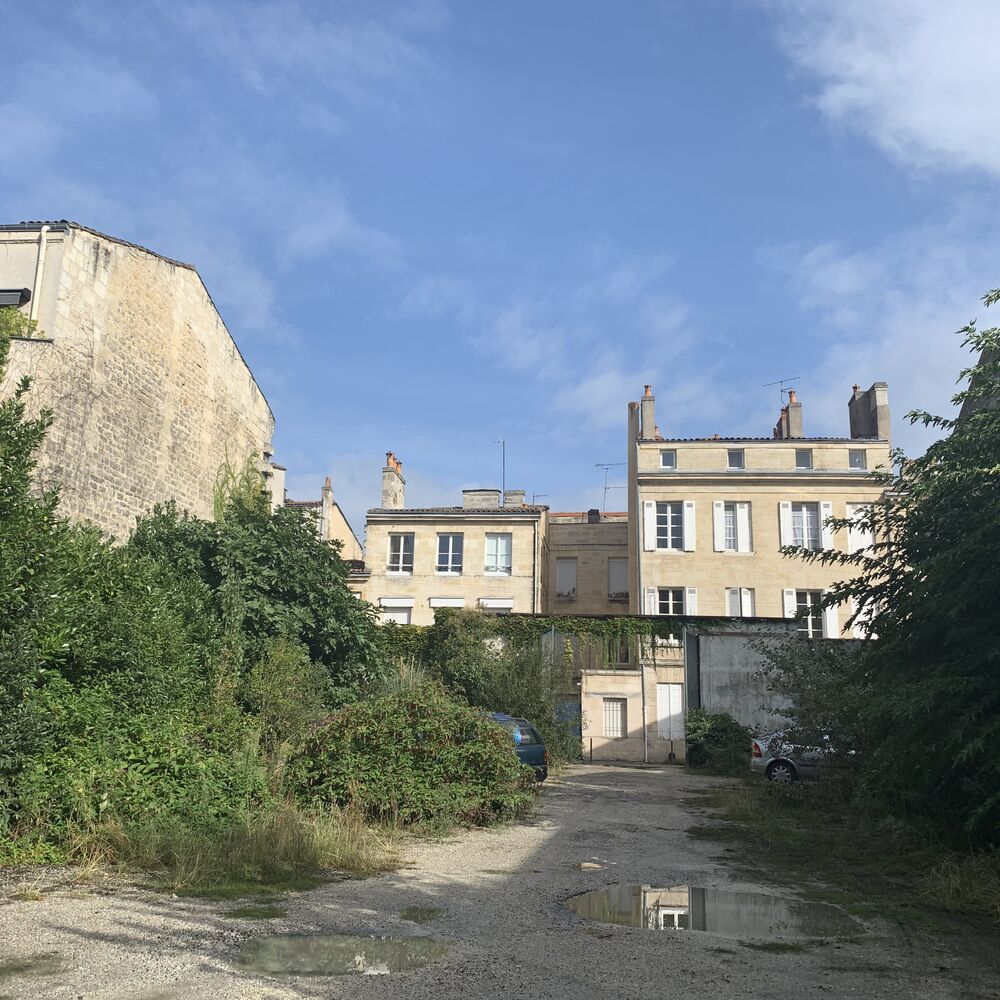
338	954
420	914
720	911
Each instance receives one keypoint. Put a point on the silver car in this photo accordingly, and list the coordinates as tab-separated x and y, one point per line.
783	762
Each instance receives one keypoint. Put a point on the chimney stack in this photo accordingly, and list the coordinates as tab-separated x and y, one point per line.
869	412
393	483
647	421
514	498
789	423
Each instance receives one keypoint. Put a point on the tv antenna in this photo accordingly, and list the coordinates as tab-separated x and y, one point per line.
781	382
503	463
535	496
605	466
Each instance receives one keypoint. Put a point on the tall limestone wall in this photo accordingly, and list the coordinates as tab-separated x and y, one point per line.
150	393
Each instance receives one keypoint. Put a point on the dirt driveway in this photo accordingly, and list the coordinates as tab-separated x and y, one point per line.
500	896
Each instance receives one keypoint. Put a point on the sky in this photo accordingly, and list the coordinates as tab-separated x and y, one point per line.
434	225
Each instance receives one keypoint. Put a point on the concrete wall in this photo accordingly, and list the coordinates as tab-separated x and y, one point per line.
591	544
149	390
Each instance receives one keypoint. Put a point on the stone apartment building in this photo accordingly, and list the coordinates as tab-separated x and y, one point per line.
150	392
708	516
489	554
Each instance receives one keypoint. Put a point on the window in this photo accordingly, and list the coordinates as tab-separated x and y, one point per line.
858	458
668	458
617	579
811	625
615	720
670	525
805	525
670	601
401	616
400	553
498	554
729	521
565	579
617	648
803	458
740	602
731	524
736	460
449	558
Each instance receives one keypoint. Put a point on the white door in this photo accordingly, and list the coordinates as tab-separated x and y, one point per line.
670	711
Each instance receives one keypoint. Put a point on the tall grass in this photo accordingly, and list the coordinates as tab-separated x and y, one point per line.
283	848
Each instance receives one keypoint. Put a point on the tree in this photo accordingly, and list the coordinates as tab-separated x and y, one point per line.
928	589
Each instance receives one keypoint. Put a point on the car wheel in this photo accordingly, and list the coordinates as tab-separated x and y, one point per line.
781	772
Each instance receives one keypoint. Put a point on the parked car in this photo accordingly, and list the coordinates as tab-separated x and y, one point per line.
528	743
781	761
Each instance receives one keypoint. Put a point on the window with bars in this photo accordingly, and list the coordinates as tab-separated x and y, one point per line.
670	525
400	553
670	601
498	553
449	557
805	525
808	602
615	718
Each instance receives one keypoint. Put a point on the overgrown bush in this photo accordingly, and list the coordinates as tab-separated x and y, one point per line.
717	742
413	757
470	657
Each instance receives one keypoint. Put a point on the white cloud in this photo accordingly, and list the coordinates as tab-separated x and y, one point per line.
441	295
919	77
889	313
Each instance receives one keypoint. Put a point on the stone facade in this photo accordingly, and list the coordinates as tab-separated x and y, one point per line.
710	515
150	392
331	522
588	563
495	554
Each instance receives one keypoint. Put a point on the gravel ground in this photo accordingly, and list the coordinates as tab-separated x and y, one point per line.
500	893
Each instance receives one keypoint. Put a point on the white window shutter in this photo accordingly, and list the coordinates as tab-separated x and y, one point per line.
648	526
719	525
689	526
831	628
785	522
733	602
690	601
858	538
746	602
788	599
743	540
825	511
651	608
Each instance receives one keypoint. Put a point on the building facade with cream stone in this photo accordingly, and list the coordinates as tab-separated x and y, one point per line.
708	516
489	554
149	391
588	563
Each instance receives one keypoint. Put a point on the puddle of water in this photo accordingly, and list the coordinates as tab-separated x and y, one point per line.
421	914
718	911
43	964
338	954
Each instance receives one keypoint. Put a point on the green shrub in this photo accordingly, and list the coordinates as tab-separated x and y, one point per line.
412	757
717	742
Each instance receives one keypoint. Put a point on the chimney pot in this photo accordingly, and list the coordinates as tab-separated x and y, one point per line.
791	395
649	390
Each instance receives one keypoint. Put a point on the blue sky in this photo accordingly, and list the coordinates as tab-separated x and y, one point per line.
431	224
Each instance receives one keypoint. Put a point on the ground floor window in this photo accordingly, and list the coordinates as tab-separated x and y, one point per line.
807	604
401	616
615	721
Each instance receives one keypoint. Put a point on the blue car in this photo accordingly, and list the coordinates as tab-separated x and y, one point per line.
528	743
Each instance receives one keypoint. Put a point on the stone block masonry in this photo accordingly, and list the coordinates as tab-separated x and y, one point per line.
149	390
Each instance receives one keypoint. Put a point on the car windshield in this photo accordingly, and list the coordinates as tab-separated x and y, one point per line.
524	735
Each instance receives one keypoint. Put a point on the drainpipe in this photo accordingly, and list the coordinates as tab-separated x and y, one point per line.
642	601
39	270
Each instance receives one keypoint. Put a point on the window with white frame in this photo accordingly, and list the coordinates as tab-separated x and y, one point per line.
807	604
670	601
449	557
805	525
736	458
732	526
670	525
729	535
399	616
858	458
740	602
400	553
566	579
617	578
803	458
615	718
668	458
498	553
